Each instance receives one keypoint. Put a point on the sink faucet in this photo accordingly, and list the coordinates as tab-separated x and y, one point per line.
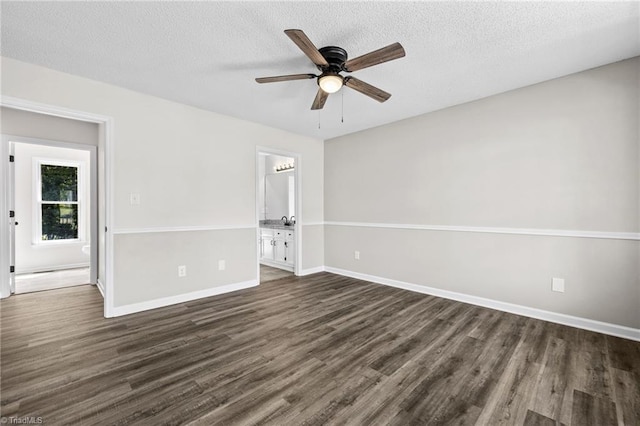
292	221
285	220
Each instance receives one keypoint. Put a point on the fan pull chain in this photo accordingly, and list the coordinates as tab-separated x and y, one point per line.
342	116
318	119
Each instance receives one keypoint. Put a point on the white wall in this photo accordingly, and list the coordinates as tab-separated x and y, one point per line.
192	169
32	257
561	155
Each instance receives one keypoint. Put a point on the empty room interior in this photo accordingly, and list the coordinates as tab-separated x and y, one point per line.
345	213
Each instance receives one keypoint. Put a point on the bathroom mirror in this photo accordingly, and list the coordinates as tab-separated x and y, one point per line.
276	187
279	195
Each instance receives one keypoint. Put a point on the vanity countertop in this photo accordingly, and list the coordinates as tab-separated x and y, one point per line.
275	224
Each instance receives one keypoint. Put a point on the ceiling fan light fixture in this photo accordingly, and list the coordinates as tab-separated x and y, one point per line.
330	83
331	61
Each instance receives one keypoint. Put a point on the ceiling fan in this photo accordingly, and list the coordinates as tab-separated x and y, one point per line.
331	61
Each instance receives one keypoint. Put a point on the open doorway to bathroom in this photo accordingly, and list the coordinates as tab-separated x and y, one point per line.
52	200
277	204
25	121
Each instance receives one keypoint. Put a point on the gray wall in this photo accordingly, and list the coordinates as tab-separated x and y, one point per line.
560	155
153	257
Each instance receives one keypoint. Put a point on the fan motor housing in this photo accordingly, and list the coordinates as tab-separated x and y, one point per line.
336	56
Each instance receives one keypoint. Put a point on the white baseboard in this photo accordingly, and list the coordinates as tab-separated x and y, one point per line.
181	298
100	287
52	268
572	321
310	271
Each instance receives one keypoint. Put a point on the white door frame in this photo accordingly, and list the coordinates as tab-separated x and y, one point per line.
105	174
11	206
297	172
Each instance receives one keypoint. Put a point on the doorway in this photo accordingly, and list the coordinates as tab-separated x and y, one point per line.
101	248
53	185
278	214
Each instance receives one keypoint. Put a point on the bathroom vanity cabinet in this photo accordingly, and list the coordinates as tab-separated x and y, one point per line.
277	247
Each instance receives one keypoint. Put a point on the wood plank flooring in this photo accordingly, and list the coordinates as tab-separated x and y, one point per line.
268	273
321	349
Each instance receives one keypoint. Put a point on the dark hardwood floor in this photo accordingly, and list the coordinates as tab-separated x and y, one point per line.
322	349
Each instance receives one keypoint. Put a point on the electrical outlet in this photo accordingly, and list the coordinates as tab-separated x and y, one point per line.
356	255
134	199
557	284
182	271
222	265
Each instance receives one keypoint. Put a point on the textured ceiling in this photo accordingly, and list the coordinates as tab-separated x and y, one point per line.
207	54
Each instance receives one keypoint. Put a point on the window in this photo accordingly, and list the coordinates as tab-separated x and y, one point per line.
58	201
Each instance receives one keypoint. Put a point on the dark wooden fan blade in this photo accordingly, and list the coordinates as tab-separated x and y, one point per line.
321	98
366	89
389	53
309	49
285	78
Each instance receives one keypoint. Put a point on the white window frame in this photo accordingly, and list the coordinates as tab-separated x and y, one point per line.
37	201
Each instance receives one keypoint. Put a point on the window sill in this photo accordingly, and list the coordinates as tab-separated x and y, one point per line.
59	243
